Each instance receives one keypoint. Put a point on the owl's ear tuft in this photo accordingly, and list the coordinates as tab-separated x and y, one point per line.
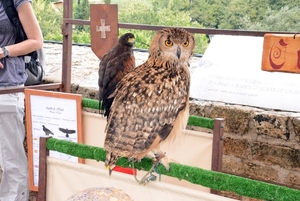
154	48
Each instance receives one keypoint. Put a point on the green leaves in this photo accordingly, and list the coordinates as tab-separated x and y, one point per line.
267	15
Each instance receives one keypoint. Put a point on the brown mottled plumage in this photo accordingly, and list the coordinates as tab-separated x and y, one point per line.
115	64
151	103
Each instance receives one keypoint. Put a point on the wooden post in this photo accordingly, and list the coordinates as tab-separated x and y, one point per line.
67	46
42	186
217	147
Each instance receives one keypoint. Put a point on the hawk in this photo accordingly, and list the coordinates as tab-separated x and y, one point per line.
114	65
151	103
47	131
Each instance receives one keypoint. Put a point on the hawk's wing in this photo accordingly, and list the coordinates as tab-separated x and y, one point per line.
146	106
101	73
116	69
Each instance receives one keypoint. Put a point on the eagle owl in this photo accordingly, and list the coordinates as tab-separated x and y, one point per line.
114	65
151	103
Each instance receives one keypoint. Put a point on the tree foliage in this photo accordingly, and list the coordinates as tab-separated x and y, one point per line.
285	19
50	20
82	11
157	12
233	14
266	15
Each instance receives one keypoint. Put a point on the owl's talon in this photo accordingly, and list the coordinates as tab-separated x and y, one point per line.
165	162
161	158
154	160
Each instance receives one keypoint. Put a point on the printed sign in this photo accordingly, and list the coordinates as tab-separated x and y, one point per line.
52	114
230	72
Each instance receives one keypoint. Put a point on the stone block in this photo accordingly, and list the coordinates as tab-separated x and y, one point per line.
293	180
245	168
296	126
197	109
275	126
237	147
236	117
260	172
233	165
277	155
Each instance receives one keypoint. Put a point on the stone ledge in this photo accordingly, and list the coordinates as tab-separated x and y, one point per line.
285	157
275	127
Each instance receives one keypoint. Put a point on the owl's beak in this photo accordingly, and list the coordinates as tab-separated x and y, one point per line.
178	53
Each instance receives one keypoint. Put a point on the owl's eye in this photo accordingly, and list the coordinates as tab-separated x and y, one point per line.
168	43
185	44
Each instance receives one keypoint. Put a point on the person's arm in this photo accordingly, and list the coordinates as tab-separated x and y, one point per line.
32	30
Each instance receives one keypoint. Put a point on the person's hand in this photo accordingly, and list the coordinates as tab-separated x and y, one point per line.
1	58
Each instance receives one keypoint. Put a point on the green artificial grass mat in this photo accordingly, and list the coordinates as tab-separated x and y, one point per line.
90	103
211	179
192	121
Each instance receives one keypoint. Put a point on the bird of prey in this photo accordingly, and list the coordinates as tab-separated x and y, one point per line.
66	131
47	131
114	65
151	103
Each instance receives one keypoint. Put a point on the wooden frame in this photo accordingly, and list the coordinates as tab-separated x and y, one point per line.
55	110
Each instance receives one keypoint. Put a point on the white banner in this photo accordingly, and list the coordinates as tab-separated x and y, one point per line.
230	71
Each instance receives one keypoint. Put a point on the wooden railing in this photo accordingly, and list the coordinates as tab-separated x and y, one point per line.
53	86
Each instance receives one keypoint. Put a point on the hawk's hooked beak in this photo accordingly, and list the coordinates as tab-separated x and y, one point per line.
131	40
178	53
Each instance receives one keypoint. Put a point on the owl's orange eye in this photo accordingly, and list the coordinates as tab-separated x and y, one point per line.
168	43
185	44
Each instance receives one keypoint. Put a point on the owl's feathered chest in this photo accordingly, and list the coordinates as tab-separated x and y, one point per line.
150	94
155	80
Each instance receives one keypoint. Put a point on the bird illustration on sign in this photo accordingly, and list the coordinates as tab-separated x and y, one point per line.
66	131
47	131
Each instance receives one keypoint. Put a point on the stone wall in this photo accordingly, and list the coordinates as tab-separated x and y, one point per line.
260	144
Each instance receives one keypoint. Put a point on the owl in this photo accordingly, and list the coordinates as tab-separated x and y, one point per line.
151	103
115	64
